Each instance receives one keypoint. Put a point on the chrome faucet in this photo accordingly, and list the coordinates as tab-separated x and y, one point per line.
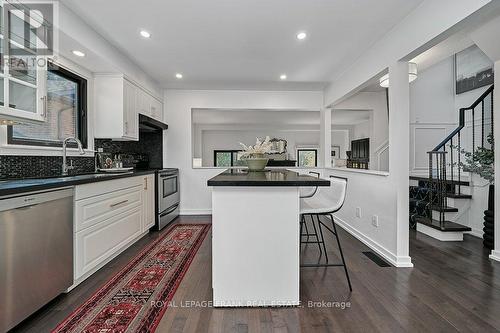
65	166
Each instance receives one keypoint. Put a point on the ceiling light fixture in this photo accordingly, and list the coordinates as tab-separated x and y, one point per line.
145	34
178	75
78	53
412	75
301	35
283	77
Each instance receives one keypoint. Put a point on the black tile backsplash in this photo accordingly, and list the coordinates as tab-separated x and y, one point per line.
150	143
13	167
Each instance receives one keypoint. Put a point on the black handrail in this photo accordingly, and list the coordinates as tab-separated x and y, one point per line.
461	123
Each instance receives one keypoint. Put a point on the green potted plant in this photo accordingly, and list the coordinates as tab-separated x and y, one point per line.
481	162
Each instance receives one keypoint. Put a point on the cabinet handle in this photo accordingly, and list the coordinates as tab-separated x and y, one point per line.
118	203
145	183
126	127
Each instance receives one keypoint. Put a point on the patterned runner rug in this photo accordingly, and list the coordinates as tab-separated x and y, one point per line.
130	301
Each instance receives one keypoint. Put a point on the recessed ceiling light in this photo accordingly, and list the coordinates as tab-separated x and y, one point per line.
283	76
301	35
78	53
145	34
178	75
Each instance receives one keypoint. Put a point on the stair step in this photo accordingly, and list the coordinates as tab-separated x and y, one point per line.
449	181
447	225
459	196
445	209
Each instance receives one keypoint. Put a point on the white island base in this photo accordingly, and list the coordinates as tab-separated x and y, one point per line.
255	245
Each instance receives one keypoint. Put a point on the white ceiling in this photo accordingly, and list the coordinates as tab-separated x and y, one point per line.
272	118
243	44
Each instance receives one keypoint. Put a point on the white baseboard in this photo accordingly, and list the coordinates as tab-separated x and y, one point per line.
195	212
382	251
448	236
495	255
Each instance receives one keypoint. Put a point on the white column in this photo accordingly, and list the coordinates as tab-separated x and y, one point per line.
495	254
399	160
325	140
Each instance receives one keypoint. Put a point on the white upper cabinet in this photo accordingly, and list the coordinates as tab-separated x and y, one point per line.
143	105
23	74
149	105
119	99
116	108
156	108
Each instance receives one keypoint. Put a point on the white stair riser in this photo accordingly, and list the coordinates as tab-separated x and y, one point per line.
449	236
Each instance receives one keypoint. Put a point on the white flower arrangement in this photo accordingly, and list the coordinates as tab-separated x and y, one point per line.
260	148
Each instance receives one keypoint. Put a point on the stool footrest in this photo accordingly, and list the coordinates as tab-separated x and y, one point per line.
322	265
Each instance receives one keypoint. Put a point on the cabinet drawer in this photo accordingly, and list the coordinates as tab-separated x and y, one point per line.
94	210
95	245
99	188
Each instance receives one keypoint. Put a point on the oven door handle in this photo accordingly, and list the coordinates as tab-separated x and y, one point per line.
170	210
168	176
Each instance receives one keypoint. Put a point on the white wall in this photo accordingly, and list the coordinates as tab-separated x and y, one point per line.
377	128
229	139
206	139
434	111
341	138
362	130
374	195
431	22
195	195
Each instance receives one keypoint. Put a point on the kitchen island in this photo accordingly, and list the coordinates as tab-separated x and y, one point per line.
255	243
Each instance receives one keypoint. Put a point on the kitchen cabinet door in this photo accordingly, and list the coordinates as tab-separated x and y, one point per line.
149	202
131	117
156	109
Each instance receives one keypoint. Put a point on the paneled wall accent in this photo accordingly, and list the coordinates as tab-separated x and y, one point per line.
424	137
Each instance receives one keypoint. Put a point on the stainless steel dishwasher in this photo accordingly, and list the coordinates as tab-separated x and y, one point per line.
36	252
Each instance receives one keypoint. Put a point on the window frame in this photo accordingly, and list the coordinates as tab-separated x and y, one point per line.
82	113
225	151
308	150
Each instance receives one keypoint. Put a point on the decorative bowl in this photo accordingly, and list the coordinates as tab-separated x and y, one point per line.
256	163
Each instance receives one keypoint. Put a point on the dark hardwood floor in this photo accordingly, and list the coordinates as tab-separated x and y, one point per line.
453	287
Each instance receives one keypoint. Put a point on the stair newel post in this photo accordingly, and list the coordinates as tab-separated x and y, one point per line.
431	186
482	125
444	189
492	112
473	129
452	164
459	163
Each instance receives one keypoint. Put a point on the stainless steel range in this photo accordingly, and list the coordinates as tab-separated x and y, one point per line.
167	197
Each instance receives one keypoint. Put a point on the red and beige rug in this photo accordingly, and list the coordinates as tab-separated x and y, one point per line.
129	301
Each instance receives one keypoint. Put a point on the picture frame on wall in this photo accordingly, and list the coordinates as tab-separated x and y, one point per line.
473	70
335	151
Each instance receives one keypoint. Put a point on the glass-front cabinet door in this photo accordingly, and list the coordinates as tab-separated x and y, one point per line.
23	71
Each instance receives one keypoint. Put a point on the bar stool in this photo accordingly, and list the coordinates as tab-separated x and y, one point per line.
309	192
324	202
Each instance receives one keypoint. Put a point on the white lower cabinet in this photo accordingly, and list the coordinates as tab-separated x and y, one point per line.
96	244
109	217
149	202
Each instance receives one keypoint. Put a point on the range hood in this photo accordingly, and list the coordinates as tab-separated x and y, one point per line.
148	124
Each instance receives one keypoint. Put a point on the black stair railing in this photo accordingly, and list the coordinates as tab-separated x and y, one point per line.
445	175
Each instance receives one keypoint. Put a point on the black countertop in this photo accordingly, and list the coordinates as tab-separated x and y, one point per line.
275	177
9	187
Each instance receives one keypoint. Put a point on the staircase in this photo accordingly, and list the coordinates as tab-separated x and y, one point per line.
439	201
